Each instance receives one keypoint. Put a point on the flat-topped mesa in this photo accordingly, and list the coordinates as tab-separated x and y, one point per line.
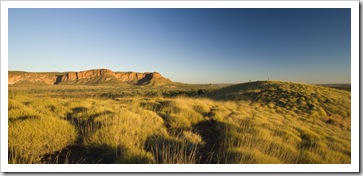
92	77
141	78
74	76
29	77
156	75
129	76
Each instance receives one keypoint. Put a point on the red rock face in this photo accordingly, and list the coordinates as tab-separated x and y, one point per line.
156	75
37	78
57	78
74	76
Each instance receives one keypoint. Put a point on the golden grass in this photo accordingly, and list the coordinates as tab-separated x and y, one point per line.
140	129
31	138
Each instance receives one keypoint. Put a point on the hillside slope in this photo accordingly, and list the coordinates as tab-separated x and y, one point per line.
328	104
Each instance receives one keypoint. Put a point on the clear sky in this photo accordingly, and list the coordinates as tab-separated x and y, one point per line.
186	45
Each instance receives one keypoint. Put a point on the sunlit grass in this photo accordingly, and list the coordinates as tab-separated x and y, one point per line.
31	138
248	124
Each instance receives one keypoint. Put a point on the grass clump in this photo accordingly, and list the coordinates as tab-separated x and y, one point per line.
169	150
30	139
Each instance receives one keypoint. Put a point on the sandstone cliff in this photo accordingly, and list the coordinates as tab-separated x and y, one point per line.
92	77
29	77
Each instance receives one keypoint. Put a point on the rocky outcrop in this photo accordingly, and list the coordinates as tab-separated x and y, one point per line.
84	77
73	76
27	77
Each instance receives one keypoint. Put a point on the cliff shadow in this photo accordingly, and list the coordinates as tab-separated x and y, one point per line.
58	79
145	79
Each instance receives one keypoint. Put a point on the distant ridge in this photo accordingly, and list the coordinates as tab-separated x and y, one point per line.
87	77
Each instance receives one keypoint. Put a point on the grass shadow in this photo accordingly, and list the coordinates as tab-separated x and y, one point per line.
77	154
211	135
21	118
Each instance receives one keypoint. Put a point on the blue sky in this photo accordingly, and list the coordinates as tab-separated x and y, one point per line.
186	45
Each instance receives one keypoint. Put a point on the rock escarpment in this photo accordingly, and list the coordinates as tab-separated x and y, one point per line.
88	77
